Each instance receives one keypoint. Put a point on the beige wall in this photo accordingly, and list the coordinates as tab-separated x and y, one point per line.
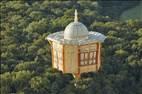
88	68
57	56
71	59
65	58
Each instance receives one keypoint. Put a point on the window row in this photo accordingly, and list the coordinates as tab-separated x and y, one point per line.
87	58
87	55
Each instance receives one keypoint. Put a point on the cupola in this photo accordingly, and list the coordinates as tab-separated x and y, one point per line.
76	30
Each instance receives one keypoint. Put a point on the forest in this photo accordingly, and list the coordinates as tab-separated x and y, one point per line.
26	55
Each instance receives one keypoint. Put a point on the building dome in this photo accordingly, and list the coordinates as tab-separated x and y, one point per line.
76	30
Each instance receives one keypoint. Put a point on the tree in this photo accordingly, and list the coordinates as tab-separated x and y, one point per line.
40	85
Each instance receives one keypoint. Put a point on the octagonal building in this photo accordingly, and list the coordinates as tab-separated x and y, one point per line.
76	50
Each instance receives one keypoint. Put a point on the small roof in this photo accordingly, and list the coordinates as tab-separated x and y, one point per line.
76	33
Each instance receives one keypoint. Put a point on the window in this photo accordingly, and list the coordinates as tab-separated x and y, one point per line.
87	58
88	55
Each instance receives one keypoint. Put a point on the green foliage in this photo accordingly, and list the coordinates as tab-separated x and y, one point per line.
121	53
40	85
26	55
26	66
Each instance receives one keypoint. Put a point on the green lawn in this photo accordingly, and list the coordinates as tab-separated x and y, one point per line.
133	13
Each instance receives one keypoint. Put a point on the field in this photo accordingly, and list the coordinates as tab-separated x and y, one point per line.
133	13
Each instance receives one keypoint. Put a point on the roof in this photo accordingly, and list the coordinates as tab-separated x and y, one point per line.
92	37
75	30
76	33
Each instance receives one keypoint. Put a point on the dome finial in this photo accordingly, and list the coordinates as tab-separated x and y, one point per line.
75	16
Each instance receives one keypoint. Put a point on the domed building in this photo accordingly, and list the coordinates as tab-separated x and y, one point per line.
76	50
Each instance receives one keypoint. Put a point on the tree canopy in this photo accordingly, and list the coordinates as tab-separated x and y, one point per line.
26	55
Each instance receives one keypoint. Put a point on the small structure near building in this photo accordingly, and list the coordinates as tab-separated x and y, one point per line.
76	50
